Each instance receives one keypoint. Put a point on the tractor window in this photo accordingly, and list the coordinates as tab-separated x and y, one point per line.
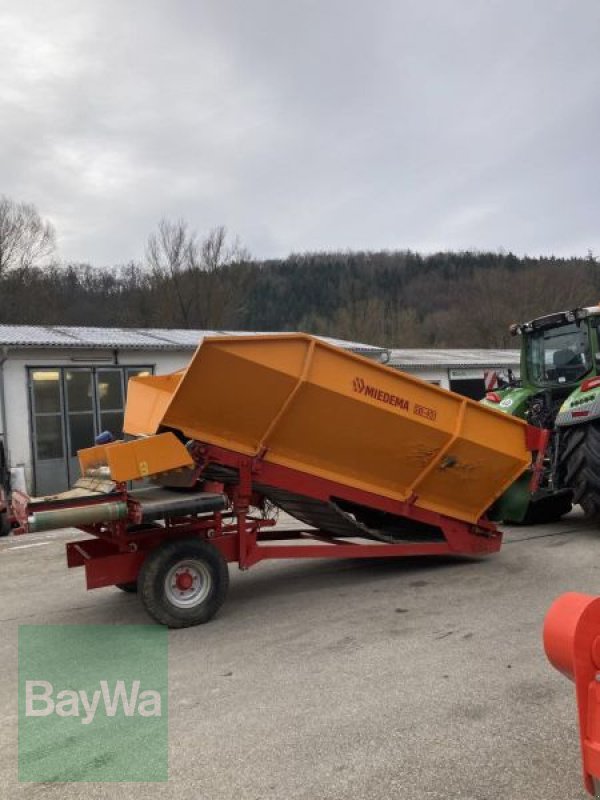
559	355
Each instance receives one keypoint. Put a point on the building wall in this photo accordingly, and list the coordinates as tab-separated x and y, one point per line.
431	375
445	376
16	391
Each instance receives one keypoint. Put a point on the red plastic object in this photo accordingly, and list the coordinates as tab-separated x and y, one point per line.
572	644
590	383
493	397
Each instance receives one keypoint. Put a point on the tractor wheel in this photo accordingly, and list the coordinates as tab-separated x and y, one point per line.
551	509
183	583
580	465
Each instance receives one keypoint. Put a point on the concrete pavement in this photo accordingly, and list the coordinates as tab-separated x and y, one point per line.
329	680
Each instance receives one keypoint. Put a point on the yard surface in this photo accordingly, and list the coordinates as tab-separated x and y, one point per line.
412	679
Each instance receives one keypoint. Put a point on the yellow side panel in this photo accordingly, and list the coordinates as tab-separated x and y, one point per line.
148	397
315	408
139	458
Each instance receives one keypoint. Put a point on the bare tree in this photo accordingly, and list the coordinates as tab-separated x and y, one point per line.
26	240
216	251
186	271
217	299
171	253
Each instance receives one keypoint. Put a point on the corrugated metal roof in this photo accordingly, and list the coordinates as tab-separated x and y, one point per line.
455	358
53	336
133	338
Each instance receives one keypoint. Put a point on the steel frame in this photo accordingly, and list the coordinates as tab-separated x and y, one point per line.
115	553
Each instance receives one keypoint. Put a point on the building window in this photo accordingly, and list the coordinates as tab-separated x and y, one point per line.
48	421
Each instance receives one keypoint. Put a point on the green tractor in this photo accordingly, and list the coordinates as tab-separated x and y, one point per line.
559	390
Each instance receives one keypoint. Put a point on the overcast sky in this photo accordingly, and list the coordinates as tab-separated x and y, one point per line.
304	125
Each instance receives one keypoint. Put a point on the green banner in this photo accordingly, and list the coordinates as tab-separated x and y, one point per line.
93	703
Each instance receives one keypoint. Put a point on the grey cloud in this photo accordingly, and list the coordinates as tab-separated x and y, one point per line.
305	125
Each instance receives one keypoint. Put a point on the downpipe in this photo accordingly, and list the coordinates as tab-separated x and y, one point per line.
3	360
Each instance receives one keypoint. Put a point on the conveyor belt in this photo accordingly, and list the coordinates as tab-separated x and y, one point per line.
157	503
336	517
330	517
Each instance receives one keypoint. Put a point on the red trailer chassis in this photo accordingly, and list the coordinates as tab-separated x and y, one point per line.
118	550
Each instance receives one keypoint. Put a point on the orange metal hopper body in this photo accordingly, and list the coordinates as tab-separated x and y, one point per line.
304	404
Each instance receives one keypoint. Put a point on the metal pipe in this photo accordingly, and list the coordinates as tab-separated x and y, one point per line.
73	517
3	404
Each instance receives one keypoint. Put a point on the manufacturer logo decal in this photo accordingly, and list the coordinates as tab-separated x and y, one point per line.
361	387
423	411
507	402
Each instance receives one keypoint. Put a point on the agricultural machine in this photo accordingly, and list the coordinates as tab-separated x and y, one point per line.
372	461
559	390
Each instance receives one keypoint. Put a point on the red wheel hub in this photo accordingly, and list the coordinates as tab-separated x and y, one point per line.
184	581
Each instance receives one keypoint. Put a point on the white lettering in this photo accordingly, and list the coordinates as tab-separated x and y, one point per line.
67	703
150	704
89	708
120	694
39	701
43	697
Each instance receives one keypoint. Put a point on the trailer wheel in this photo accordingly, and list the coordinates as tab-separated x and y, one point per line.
579	465
183	583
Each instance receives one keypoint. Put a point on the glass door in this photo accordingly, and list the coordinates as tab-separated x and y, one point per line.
49	447
79	410
109	390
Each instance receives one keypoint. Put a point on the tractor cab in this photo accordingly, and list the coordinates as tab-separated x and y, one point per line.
558	390
558	356
557	349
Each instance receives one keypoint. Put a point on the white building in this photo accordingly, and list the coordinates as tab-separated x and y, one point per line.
462	371
61	386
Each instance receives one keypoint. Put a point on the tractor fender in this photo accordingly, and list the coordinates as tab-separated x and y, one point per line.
513	401
579	407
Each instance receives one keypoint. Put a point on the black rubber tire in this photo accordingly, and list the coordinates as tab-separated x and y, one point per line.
5	526
544	515
151	582
579	465
129	588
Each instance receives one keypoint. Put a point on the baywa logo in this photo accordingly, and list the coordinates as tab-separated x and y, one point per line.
93	703
362	387
41	700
